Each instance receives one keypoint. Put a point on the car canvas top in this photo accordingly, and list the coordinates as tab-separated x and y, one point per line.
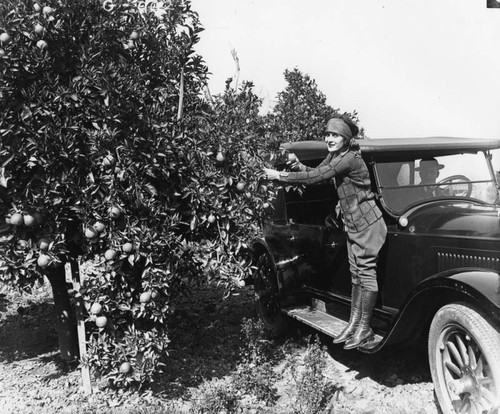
389	147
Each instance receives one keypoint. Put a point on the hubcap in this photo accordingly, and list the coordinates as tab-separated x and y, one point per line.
465	372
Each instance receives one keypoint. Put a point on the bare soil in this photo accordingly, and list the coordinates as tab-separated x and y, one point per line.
206	343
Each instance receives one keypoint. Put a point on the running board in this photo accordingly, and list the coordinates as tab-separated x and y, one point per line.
326	323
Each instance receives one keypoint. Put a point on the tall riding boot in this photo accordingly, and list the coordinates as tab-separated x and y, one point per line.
363	333
354	318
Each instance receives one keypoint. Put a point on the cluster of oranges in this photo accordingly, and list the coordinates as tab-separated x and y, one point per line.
30	220
38	29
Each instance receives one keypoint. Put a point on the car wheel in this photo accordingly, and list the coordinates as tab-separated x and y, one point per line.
464	358
267	297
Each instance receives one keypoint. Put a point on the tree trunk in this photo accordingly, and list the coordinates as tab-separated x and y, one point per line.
65	320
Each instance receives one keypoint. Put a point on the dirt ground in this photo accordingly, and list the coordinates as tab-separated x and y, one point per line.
206	344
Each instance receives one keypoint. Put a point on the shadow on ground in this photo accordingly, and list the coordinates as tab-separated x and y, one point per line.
206	343
391	366
27	330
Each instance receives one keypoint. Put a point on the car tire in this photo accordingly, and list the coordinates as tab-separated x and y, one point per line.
464	359
267	297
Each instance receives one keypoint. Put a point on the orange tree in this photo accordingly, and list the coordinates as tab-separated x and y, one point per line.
301	111
109	154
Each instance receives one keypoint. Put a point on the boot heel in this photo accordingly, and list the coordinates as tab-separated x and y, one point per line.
363	333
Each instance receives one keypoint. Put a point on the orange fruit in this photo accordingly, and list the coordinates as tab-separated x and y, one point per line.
4	37
17	219
125	367
41	44
29	220
220	157
47	10
109	254
108	160
91	233
99	226
37	7
38	28
96	308
115	212
43	244
101	321
240	186
134	35
211	218
43	261
145	297
128	248
2	52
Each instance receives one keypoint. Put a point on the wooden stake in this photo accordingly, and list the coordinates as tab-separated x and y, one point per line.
74	270
181	96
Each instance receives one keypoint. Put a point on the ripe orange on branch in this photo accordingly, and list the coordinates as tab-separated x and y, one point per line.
43	244
108	161
38	28
128	248
145	297
96	308
43	261
91	233
29	220
99	226
110	254
101	321
115	212
41	44
4	37
17	219
125	367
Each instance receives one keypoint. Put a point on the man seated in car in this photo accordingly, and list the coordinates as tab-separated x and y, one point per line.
428	171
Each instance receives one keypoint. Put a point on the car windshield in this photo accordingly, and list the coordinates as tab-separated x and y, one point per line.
406	183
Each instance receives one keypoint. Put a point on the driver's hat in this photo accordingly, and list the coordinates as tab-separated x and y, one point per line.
429	162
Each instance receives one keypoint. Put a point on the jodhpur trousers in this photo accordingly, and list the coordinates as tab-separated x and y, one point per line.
363	250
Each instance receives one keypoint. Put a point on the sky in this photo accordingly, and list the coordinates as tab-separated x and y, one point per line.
409	68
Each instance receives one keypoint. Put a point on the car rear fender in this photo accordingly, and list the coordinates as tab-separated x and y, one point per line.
478	288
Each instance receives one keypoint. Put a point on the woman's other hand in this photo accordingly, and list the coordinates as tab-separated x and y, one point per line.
293	162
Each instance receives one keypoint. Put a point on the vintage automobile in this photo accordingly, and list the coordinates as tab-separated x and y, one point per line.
438	273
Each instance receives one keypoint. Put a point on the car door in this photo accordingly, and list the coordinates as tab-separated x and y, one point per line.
317	239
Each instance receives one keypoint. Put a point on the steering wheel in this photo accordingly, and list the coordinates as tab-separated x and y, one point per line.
452	186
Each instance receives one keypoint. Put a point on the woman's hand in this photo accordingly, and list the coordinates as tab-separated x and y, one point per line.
293	162
271	174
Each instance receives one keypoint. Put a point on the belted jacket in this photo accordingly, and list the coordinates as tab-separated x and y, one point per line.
350	175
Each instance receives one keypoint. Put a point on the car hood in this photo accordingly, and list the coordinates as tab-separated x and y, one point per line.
456	218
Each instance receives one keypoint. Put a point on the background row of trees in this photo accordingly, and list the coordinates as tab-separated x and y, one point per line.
109	153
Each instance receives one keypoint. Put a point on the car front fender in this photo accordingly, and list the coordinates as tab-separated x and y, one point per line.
476	287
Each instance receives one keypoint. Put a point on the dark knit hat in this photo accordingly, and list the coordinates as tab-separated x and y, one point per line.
338	126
